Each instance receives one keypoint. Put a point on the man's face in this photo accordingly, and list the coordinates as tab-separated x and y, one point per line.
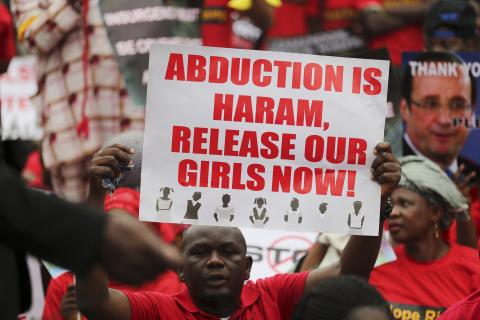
215	264
431	130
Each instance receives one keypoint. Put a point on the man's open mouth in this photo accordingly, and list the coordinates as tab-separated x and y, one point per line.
215	279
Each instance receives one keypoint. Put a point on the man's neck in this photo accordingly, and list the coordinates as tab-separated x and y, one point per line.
221	308
444	163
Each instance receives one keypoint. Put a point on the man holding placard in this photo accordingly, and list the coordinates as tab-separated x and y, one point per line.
215	266
251	108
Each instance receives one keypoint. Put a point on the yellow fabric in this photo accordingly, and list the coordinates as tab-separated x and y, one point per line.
244	5
240	5
23	27
274	3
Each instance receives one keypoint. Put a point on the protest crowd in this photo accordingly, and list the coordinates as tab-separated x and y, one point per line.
70	197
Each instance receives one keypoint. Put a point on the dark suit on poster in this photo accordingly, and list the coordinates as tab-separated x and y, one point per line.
469	164
45	226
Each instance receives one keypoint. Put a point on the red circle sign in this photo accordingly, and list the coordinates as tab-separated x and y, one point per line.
287	242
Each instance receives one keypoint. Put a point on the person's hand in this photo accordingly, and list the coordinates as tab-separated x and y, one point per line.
385	169
131	253
464	183
108	163
68	305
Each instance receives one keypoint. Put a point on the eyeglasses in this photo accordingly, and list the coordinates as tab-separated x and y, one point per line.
455	106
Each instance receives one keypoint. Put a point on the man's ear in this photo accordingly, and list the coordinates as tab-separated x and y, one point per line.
248	269
404	110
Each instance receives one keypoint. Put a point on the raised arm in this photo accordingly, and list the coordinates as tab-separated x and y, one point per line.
379	20
43	25
360	253
314	257
52	229
106	163
97	301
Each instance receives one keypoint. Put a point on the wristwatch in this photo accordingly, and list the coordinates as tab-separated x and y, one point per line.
385	213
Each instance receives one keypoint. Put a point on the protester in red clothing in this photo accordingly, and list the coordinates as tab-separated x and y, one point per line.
396	25
429	274
216	21
215	267
342	14
291	18
7	36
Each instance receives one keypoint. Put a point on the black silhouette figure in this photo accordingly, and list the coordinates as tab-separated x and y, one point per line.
323	208
193	206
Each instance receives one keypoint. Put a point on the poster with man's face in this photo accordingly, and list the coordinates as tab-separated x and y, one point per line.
439	108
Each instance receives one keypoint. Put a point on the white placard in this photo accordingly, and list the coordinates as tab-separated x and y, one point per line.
17	86
262	139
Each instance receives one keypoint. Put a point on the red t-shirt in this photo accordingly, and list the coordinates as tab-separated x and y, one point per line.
407	38
428	288
7	34
466	309
270	298
216	24
167	283
340	14
290	20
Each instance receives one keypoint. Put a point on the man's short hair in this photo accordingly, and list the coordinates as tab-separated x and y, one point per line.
433	56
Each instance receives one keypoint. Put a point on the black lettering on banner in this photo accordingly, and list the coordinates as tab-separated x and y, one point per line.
412	312
255	252
258	253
